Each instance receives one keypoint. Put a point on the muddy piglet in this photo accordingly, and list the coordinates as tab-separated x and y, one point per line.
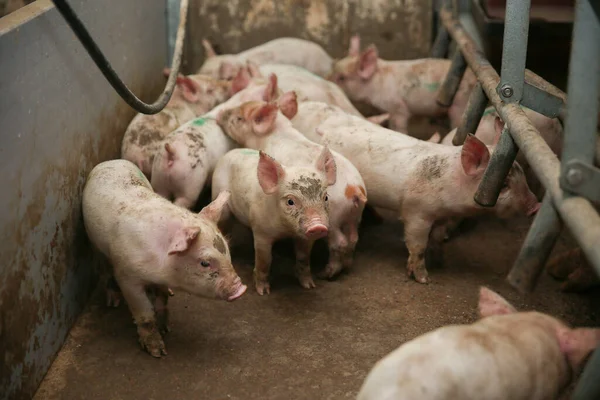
285	50
277	202
400	88
193	96
506	355
153	244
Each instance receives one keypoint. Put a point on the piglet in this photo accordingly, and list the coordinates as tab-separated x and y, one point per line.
425	183
261	126
276	202
400	88
307	86
573	268
153	244
194	95
506	355
186	158
285	50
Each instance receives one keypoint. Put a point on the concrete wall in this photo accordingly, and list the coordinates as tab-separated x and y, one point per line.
58	118
400	28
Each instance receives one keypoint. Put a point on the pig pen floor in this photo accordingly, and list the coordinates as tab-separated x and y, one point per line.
294	343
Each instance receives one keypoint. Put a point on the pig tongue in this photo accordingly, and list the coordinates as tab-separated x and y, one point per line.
240	291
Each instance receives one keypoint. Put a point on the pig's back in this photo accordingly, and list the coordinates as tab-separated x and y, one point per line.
293	51
384	158
236	171
479	361
310	115
308	86
112	189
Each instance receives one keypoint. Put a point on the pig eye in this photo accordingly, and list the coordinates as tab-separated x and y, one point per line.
205	264
341	78
238	119
326	197
505	185
290	202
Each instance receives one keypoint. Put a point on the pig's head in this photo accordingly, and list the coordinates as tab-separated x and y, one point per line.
300	192
253	120
354	72
576	344
515	197
199	256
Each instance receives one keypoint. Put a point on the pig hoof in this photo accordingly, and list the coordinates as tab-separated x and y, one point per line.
170	292
113	298
329	272
154	345
263	288
307	283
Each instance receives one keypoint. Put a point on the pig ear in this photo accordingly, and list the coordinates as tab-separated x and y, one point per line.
208	49
253	69
354	48
367	63
263	119
214	210
271	90
241	80
183	239
474	156
170	154
288	104
491	303
577	344
166	72
188	88
269	172
498	127
326	164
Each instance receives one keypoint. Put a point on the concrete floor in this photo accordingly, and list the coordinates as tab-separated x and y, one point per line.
299	344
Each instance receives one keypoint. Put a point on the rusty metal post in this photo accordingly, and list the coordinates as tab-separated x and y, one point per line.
537	247
452	81
440	46
578	214
472	115
510	89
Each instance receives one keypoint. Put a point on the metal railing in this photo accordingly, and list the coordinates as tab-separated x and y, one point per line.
571	183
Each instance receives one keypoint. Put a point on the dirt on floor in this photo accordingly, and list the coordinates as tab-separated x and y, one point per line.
297	343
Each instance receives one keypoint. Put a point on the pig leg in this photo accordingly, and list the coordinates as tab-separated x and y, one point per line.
143	314
336	242
262	263
161	310
436	239
416	235
351	230
399	118
302	270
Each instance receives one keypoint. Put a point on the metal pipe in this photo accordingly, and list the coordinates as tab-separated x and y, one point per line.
510	90
452	81
439	49
536	248
514	50
579	140
472	115
500	163
588	387
577	213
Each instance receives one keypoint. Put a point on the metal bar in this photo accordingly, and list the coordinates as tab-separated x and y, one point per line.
588	387
452	81
537	247
472	115
510	89
514	50
541	101
500	163
439	49
577	213
579	141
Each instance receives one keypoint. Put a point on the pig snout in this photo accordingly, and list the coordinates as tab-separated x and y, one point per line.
238	290
316	231
316	225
